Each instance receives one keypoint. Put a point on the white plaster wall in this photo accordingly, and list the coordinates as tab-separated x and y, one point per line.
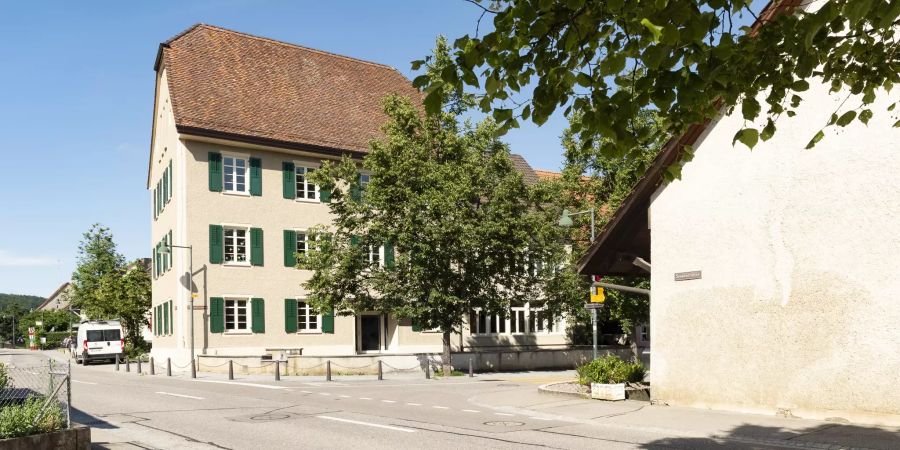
799	302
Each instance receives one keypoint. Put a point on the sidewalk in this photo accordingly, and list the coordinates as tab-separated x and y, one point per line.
692	428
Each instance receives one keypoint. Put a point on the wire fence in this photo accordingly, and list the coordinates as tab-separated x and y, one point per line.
35	392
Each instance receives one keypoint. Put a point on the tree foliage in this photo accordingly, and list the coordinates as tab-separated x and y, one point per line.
692	58
104	286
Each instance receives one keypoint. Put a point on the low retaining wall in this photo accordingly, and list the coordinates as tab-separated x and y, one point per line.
76	438
487	361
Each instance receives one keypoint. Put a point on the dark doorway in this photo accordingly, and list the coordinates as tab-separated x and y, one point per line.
370	335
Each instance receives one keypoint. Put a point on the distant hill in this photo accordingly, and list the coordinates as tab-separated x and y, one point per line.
25	301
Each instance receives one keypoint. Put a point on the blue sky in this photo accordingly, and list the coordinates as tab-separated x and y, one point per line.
75	111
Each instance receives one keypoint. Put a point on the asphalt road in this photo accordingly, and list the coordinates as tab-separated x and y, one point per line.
127	410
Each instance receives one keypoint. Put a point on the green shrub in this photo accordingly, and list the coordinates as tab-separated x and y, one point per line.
610	370
19	420
4	376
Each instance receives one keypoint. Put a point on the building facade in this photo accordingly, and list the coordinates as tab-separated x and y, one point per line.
774	272
239	123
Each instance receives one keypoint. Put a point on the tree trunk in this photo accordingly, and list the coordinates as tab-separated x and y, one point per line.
446	367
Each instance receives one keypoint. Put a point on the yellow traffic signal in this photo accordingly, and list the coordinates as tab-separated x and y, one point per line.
597	295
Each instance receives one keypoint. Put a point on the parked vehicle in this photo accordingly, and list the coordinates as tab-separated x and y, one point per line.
98	339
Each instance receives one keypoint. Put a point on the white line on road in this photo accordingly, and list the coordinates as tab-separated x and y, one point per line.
389	401
541	418
344	396
504	414
414	404
368	424
180	395
470	410
306	392
82	382
324	393
236	383
440	407
365	398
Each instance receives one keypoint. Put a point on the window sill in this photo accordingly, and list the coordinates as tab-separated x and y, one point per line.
238	333
310	332
236	264
237	193
307	200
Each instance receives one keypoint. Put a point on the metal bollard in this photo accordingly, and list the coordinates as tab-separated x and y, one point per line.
230	370
427	369
168	367
277	370
380	372
139	366
127	365
194	366
152	366
117	363
327	370
471	368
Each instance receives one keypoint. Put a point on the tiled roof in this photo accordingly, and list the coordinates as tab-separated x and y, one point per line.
528	174
234	84
547	174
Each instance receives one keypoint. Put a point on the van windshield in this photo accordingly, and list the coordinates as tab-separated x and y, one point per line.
103	335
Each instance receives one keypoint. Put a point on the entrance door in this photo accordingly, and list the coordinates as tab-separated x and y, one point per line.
370	333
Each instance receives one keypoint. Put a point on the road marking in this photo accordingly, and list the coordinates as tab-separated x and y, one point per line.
414	404
470	410
344	396
306	392
368	424
541	418
440	407
389	401
504	414
365	398
324	393
82	382
180	395
236	383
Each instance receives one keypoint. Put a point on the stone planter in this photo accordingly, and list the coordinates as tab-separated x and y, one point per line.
602	391
76	438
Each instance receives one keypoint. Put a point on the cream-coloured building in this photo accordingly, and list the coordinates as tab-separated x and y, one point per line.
774	278
239	122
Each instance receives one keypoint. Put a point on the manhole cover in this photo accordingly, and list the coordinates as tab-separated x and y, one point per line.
264	417
504	424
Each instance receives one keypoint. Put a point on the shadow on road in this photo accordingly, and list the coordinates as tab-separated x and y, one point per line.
83	418
755	436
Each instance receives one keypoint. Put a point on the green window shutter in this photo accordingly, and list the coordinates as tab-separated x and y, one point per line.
216	315
159	320
354	240
154	264
171	317
165	182
155	215
255	176
256	246
389	256
328	322
288	181
325	194
171	250
258	314
215	172
416	326
170	181
159	205
290	315
290	248
155	321
354	192
216	250
165	318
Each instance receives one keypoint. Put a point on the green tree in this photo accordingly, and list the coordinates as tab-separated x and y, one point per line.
694	56
105	287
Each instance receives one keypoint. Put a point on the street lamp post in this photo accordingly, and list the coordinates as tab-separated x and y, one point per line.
189	283
565	220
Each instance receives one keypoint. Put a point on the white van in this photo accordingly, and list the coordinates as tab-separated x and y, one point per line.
98	339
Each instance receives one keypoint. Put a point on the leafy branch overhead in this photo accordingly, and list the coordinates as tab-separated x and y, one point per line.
686	59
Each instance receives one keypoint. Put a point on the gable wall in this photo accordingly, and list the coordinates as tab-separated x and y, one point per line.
799	300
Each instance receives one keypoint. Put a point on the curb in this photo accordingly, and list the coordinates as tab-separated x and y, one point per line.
546	390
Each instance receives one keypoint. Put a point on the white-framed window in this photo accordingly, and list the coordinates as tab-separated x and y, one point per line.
645	332
305	242
372	256
237	315
524	319
363	182
236	240
307	319
234	175
306	190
